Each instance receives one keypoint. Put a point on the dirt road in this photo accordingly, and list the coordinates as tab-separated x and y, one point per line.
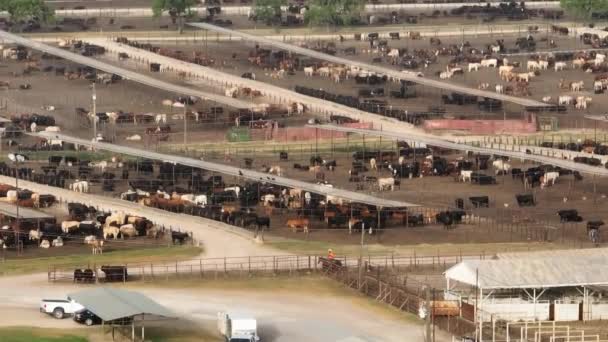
282	315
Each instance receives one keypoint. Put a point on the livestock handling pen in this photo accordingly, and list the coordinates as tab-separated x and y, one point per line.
127	74
391	73
21	214
233	171
441	142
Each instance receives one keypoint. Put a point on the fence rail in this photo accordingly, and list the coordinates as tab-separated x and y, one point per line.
274	264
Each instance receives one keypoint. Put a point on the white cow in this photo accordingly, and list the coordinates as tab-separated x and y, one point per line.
560	66
372	164
111	231
582	102
500	89
549	179
505	70
565	100
544	65
236	190
386	183
323	71
268	199
67	226
135	137
493	62
465	175
577	86
35	234
474	66
533	65
501	166
309	71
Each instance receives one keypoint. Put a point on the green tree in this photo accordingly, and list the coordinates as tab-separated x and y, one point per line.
584	8
334	12
178	9
27	9
268	11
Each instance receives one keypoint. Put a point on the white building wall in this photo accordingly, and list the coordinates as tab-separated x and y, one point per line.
566	312
515	311
599	311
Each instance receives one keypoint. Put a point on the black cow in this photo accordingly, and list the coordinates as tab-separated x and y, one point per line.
569	215
415	220
450	217
262	221
525	200
84	276
249	75
480	201
115	273
179	237
337	221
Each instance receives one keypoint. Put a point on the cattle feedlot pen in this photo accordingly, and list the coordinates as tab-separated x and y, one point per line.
440	142
127	74
391	73
233	171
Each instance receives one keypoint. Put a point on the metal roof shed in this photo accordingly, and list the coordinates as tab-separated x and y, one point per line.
527	288
112	304
525	273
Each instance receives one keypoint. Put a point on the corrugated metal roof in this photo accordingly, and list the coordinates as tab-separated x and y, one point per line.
544	272
555	253
111	303
10	209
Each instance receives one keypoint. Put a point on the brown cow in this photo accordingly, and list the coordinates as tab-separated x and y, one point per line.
26	203
299	223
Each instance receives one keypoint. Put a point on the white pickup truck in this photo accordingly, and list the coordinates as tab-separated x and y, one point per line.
241	329
60	308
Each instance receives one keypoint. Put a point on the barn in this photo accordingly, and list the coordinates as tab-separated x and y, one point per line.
545	286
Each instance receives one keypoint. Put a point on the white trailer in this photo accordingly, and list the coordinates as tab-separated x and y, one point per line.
237	329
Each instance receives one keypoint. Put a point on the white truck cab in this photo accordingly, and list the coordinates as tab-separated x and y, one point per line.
237	329
59	308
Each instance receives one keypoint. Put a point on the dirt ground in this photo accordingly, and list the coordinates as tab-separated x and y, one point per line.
287	314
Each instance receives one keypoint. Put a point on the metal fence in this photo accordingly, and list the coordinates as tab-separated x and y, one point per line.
213	268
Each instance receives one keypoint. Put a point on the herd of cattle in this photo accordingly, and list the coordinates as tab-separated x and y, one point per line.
84	224
157	184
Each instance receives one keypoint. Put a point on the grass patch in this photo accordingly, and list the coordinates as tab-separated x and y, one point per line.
320	248
156	254
273	148
28	334
180	331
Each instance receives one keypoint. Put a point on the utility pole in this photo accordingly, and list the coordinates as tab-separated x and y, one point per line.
427	333
361	255
185	126
18	225
94	98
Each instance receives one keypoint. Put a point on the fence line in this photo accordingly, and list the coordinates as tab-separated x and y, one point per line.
273	264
